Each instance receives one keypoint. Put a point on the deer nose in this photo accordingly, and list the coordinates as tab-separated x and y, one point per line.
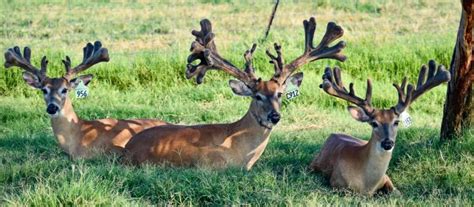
387	144
52	109
274	117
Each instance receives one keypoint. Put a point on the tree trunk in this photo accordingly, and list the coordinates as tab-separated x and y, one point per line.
458	107
469	113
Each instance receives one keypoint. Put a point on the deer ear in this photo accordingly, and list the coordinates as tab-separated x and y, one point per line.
32	80
239	88
296	79
85	79
358	114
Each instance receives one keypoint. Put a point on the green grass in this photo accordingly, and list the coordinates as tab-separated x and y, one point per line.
149	43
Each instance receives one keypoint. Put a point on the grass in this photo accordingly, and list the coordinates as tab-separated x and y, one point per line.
148	44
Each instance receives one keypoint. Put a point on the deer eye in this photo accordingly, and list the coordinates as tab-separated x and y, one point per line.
64	91
279	95
396	123
44	91
259	98
374	124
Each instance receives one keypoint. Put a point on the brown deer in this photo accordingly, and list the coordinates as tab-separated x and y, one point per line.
78	138
240	143
358	164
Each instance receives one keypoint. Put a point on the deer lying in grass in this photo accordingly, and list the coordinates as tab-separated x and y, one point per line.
357	164
240	143
78	138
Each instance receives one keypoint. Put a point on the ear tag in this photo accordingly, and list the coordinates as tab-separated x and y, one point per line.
81	90
292	91
406	119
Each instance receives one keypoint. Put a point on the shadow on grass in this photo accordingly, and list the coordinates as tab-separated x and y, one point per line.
41	145
280	176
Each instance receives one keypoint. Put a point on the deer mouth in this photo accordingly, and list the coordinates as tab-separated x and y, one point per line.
262	122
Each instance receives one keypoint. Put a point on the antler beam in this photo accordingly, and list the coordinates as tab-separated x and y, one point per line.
311	53
204	50
435	77
332	85
13	57
93	54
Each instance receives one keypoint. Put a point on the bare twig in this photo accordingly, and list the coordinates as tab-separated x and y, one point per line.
271	19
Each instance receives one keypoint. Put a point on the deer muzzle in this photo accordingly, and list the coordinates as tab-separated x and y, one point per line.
52	109
274	117
387	144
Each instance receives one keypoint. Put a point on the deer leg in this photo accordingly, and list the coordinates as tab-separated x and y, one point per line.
314	167
216	160
387	186
116	150
336	180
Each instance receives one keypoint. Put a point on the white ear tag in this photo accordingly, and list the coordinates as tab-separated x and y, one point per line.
406	119
292	91
81	90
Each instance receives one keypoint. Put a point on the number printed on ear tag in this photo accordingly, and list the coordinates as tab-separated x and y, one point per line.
81	90
406	119
292	91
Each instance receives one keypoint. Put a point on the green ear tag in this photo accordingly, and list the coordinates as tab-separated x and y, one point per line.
292	91
81	90
406	119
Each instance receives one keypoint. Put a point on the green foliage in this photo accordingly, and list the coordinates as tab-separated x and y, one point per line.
148	45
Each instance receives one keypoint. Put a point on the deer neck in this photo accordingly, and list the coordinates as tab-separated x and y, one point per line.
377	160
66	127
249	137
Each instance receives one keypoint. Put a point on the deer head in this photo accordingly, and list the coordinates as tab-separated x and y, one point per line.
266	95
384	122
55	89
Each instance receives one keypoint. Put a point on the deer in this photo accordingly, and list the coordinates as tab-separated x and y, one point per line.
77	137
240	143
359	165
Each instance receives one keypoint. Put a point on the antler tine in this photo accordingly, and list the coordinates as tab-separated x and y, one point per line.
204	50
322	51
248	56
44	66
67	64
277	61
309	29
204	39
93	54
13	57
332	85
435	77
404	98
